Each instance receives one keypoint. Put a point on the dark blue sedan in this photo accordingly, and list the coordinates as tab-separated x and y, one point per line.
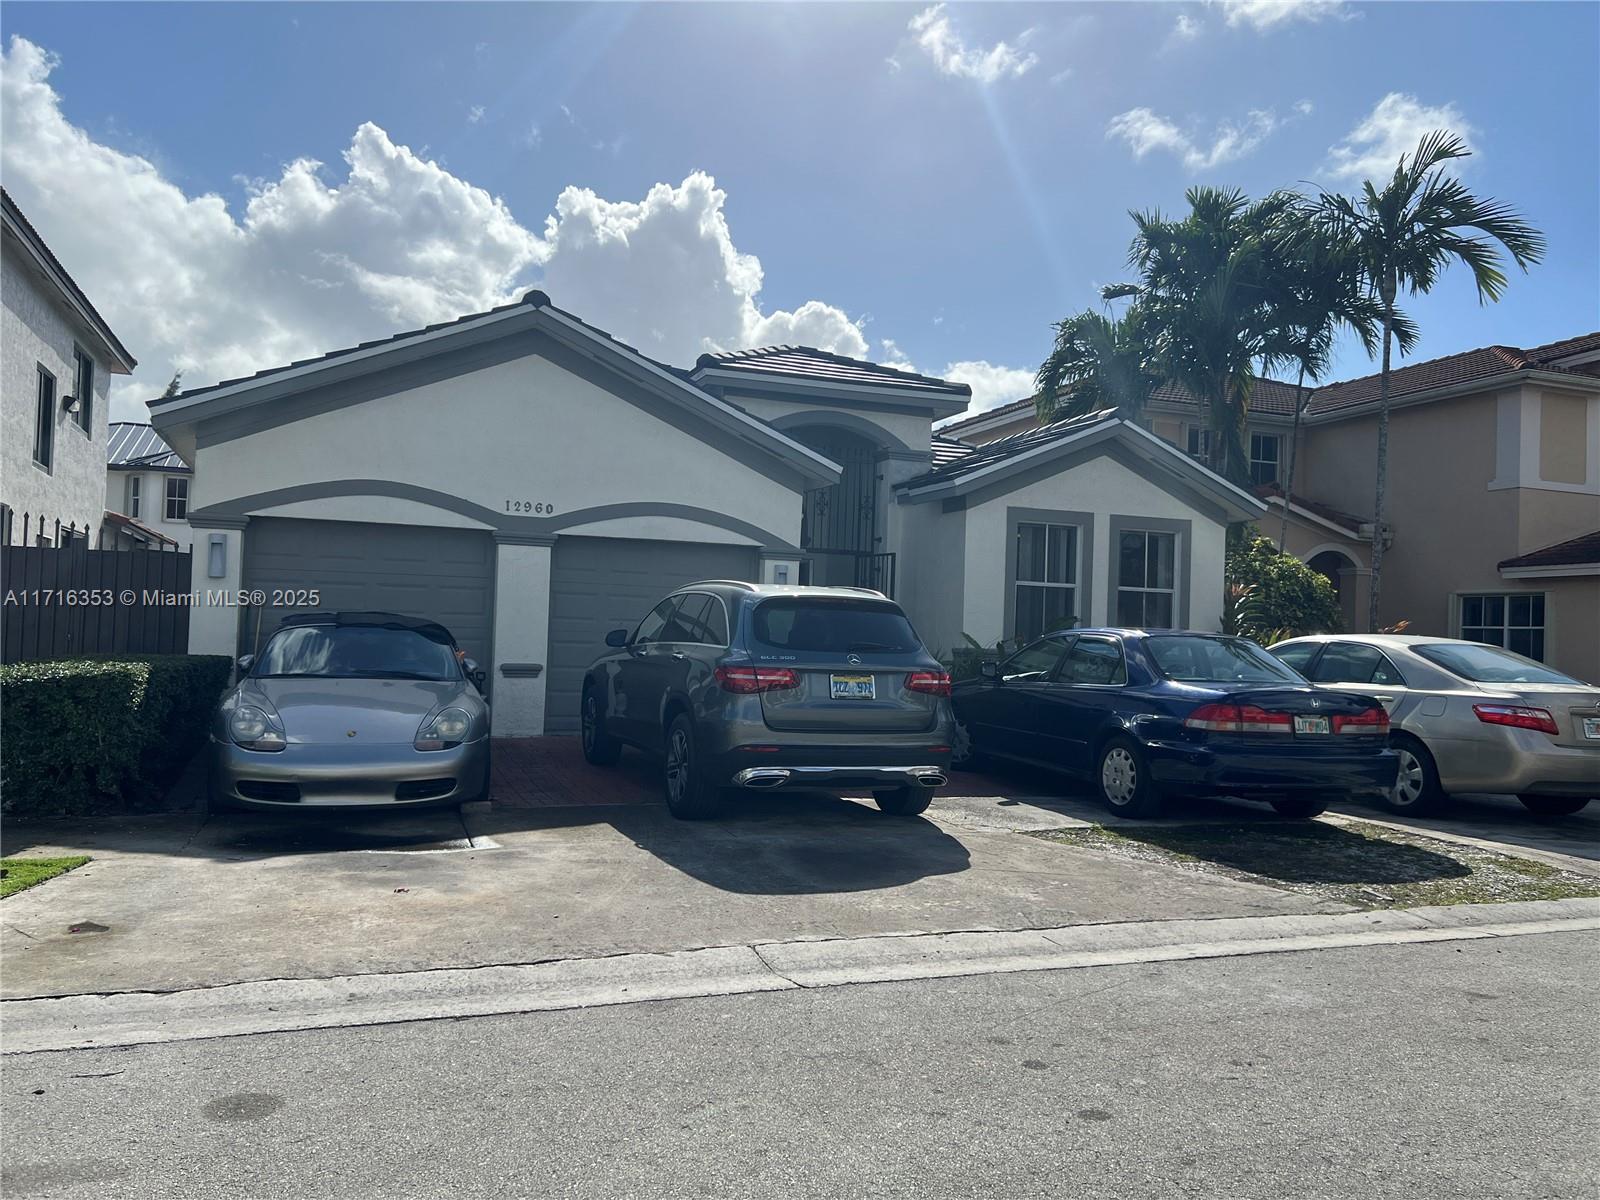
1142	714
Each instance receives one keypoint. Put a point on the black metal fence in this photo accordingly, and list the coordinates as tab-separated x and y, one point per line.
63	598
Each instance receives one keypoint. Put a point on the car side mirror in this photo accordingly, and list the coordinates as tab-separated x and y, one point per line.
474	672
990	671
246	661
617	638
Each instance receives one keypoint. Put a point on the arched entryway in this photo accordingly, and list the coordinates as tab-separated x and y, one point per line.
839	528
1343	571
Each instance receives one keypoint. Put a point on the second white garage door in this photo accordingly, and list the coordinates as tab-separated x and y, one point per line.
600	584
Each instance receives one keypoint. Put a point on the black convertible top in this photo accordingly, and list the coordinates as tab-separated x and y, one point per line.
431	630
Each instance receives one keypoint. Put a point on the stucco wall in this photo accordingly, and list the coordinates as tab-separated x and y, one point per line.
1104	488
35	331
524	430
152	501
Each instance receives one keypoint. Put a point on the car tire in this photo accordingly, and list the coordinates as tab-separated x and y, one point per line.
1301	807
1553	806
690	795
599	747
1417	792
903	801
964	752
1123	780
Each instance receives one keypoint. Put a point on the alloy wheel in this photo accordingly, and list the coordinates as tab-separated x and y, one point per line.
590	722
1119	776
960	746
1410	782
677	765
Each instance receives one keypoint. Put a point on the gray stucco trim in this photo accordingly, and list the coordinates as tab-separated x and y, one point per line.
1050	516
505	526
504	538
824	419
1183	561
922	457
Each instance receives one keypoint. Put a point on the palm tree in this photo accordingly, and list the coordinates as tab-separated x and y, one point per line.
1098	362
1210	293
1404	236
1323	292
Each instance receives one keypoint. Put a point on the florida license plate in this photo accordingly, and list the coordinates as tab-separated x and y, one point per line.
853	687
1311	725
1591	727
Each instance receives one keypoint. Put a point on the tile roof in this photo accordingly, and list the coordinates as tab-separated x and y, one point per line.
1468	367
1007	447
101	327
1016	408
807	362
137	528
1578	551
947	450
1327	512
136	444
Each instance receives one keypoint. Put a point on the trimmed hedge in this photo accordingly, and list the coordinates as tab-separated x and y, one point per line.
90	735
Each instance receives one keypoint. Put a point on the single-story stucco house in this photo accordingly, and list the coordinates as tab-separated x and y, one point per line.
532	482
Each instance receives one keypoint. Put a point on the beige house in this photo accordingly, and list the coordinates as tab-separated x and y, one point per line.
1494	490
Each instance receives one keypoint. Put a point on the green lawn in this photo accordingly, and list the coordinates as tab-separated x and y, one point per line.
1365	865
19	874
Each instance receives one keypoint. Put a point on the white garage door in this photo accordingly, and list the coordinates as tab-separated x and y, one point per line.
600	584
443	575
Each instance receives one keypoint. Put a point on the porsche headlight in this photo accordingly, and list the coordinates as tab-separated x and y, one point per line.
256	728
445	730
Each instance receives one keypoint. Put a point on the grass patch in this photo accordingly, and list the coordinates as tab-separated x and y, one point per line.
19	874
1366	866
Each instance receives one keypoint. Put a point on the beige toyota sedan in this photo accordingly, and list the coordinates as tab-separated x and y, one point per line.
1466	717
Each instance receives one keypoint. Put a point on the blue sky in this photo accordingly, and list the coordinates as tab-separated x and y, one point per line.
948	181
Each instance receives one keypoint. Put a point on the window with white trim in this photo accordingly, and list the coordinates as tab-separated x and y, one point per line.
83	389
1512	620
1265	452
1199	443
131	504
177	498
1046	582
44	421
1147	586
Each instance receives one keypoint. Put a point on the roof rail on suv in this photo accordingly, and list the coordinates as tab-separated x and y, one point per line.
738	583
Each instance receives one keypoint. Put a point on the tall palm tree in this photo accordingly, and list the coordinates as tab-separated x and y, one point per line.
1404	236
1209	289
1323	292
1098	362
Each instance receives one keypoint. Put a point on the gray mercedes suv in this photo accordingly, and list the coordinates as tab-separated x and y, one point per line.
741	685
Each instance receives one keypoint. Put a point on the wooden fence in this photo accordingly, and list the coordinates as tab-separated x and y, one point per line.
63	599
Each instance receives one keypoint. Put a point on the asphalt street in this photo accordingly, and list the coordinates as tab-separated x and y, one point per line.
1463	1068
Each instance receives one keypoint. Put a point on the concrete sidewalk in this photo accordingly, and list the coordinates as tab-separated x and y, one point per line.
190	904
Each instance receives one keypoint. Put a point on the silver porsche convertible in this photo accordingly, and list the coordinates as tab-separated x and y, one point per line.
352	710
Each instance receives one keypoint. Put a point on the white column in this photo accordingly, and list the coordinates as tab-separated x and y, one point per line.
214	627
521	634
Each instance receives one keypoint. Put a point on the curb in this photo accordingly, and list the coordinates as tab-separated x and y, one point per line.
283	1005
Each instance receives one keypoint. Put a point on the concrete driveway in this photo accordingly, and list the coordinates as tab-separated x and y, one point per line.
190	902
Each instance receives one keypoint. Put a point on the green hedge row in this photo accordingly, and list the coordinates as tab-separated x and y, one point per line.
88	735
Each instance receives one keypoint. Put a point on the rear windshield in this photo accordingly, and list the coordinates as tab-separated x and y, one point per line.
356	652
1216	660
843	626
1489	664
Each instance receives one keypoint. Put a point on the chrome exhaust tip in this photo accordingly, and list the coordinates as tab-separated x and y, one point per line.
932	779
762	777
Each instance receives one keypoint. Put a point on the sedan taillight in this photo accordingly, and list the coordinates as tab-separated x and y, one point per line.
1238	718
1518	716
747	681
1374	720
933	683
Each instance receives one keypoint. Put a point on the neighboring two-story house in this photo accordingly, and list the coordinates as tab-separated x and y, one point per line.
147	482
1494	490
57	355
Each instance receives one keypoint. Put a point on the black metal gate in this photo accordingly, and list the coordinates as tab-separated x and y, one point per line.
839	524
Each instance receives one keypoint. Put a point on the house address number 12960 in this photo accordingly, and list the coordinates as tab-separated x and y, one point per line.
537	507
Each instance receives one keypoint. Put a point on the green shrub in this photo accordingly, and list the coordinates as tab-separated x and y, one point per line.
1272	596
82	735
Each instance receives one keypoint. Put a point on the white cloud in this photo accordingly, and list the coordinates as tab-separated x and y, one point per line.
322	258
933	32
992	385
475	114
1146	130
1394	127
1264	15
1185	28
